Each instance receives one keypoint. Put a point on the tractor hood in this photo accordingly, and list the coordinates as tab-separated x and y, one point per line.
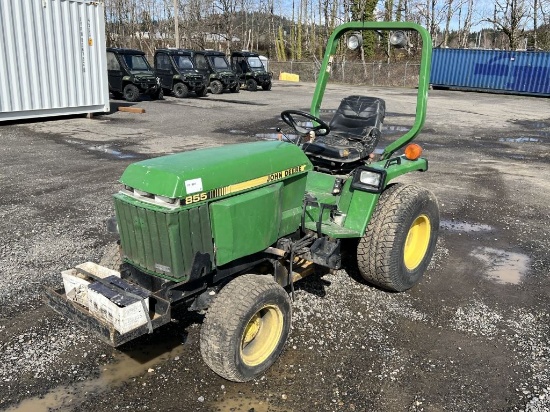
217	171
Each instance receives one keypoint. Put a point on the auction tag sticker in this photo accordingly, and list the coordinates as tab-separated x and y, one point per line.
193	186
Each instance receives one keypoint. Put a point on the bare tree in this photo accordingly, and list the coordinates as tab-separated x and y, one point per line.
510	17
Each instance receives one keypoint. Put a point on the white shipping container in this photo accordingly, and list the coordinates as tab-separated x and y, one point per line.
52	58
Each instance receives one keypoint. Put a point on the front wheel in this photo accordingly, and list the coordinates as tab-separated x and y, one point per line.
400	238
267	86
216	87
181	90
246	327
131	93
251	85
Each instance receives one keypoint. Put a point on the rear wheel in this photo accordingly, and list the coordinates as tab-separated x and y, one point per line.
216	87
181	90
131	93
251	85
400	238
246	327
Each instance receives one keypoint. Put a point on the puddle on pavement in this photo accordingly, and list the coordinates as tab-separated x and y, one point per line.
501	266
125	366
104	149
464	226
113	152
533	124
244	403
277	136
234	405
523	139
395	129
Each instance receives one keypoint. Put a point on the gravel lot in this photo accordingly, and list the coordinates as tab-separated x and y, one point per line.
472	336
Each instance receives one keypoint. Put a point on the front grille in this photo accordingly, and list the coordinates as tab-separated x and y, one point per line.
163	242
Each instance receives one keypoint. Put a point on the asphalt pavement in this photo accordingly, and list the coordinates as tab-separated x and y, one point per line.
473	335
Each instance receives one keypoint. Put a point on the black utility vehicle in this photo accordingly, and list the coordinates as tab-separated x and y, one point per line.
214	65
177	72
130	75
251	70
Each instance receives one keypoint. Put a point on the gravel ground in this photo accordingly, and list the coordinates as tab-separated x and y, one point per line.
473	335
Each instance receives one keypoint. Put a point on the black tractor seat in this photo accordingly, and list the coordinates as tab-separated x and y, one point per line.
355	131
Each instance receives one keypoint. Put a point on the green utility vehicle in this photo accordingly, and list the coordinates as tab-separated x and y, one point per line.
130	75
227	231
251	70
177	72
215	67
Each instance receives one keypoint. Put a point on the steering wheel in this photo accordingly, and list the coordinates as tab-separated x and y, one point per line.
322	129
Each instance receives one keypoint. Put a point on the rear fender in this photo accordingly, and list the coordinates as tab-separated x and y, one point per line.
358	205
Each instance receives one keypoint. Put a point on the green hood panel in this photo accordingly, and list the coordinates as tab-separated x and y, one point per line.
225	170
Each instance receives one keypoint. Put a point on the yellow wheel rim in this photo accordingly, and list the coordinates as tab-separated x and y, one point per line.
261	335
417	242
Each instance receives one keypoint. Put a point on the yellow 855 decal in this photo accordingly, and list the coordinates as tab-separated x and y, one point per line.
199	197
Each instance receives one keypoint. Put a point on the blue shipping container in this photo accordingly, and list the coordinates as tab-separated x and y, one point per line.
501	71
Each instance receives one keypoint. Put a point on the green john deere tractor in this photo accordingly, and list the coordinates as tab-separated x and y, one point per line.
231	241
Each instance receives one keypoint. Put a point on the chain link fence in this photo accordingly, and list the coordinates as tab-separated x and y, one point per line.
374	74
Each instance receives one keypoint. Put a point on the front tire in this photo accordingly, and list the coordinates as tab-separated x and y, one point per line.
400	238
180	90
266	86
246	327
216	87
251	85
131	93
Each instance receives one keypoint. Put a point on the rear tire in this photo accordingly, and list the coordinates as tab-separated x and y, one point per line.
180	90
216	87
400	238
246	327
131	93
251	85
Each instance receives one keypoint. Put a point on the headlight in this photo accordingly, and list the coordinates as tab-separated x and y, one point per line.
368	179
399	39
354	41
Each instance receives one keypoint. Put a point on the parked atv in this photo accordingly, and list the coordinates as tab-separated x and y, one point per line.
196	230
251	70
177	72
130	75
215	67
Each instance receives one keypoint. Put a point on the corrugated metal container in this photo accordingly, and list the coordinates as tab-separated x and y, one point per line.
502	71
52	58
